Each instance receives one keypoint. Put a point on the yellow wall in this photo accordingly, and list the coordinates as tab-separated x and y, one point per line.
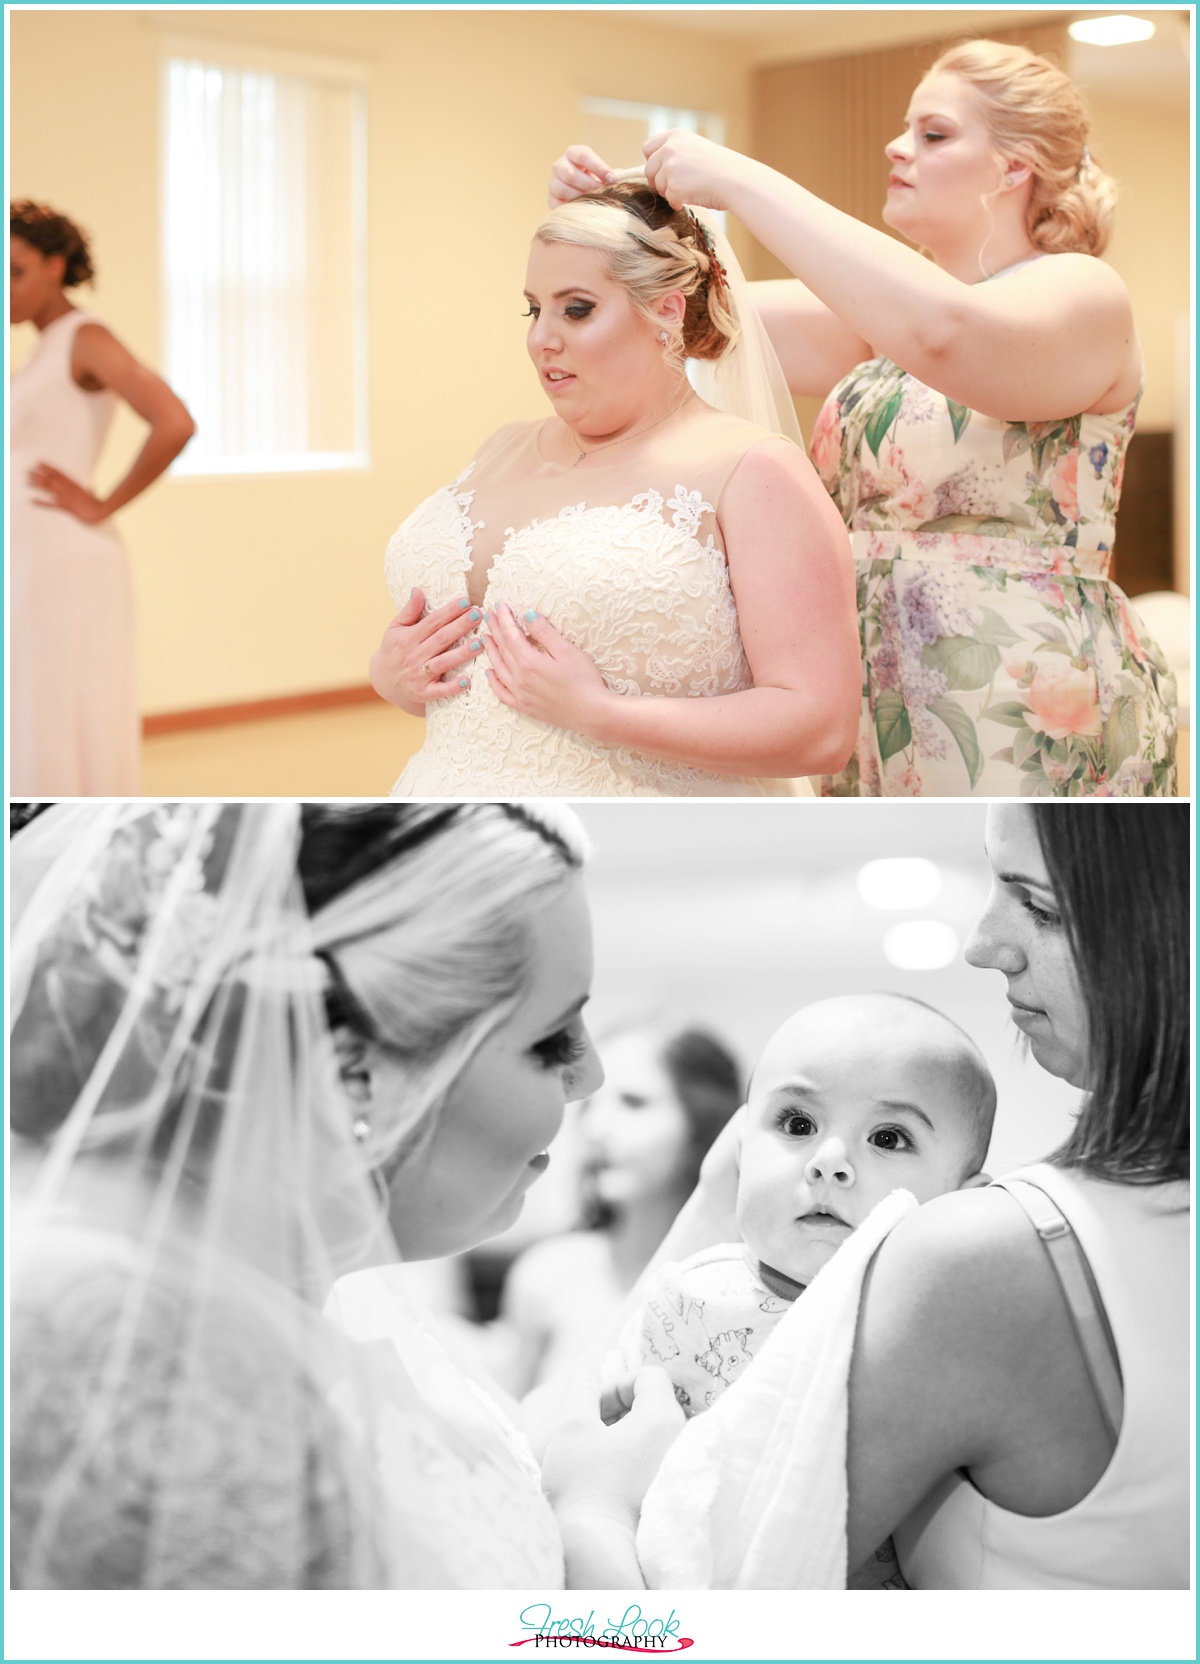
251	588
1148	151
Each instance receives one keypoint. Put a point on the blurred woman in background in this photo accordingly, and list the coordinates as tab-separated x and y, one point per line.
73	692
666	1095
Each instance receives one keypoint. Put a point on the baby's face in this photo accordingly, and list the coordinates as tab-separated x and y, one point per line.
845	1106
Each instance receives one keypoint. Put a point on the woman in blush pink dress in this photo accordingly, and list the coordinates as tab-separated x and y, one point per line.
73	699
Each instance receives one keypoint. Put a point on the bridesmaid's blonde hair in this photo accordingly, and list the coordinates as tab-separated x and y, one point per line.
1035	115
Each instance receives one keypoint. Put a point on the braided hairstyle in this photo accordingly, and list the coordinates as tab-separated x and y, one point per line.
652	249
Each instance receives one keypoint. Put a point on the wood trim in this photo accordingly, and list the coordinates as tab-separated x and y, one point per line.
255	710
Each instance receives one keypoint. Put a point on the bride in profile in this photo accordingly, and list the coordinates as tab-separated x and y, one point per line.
253	1048
646	593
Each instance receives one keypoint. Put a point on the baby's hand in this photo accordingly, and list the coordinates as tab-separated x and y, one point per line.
616	1377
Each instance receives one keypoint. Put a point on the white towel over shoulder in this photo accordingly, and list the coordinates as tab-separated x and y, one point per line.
752	1494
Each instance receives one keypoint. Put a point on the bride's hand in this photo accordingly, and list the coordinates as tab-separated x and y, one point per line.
686	168
541	674
419	649
590	1468
577	171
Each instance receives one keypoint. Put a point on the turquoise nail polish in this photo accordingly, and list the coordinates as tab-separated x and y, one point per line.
463	682
464	604
475	646
475	615
530	615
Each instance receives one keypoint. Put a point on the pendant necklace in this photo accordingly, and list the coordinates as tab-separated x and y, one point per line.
635	435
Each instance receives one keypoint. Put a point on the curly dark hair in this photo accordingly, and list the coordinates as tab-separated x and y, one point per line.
50	232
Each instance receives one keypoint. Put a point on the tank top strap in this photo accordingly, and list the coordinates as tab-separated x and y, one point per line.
58	338
1079	1291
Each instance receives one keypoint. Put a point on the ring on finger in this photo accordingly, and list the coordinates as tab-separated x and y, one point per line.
428	668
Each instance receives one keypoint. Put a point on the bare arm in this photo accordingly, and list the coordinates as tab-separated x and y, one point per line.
1052	338
98	362
965	1358
792	579
815	347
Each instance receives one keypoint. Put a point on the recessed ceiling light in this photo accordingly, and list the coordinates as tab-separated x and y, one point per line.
899	883
1111	31
920	945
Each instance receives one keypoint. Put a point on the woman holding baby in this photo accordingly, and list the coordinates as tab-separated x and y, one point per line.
253	1049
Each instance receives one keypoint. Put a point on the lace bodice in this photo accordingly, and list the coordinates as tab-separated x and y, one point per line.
263	1447
203	1457
462	1491
625	559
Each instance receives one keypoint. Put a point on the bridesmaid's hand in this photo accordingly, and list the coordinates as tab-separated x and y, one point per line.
577	171
539	673
65	493
719	1169
686	168
417	660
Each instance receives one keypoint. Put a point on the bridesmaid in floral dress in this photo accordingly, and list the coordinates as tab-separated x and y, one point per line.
998	657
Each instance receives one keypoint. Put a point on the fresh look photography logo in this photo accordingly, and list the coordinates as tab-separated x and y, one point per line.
634	1631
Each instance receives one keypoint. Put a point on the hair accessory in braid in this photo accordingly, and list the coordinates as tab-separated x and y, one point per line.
717	273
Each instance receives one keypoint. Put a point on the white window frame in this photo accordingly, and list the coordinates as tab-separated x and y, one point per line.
225	55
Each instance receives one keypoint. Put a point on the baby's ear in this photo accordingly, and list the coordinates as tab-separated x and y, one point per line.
976	1181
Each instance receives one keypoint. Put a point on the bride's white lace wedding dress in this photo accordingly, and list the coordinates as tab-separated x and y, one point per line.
623	555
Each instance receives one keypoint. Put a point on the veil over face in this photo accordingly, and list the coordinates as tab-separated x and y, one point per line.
188	1184
192	1175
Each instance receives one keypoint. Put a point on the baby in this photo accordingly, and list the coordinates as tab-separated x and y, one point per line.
851	1099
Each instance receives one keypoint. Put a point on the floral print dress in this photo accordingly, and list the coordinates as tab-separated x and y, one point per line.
998	658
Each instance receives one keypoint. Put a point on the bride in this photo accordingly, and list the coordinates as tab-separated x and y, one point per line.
644	593
254	1047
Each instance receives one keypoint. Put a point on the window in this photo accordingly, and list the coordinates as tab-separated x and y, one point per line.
622	122
264	220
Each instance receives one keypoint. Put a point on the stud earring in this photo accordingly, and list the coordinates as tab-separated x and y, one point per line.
361	1128
663	336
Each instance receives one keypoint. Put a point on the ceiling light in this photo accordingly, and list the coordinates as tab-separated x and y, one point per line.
920	945
899	883
1111	31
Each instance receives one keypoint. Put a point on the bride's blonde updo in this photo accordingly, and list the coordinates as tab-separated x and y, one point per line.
1035	115
651	249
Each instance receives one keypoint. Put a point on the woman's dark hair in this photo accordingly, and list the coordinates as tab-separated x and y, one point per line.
50	232
1120	873
707	1083
20	815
